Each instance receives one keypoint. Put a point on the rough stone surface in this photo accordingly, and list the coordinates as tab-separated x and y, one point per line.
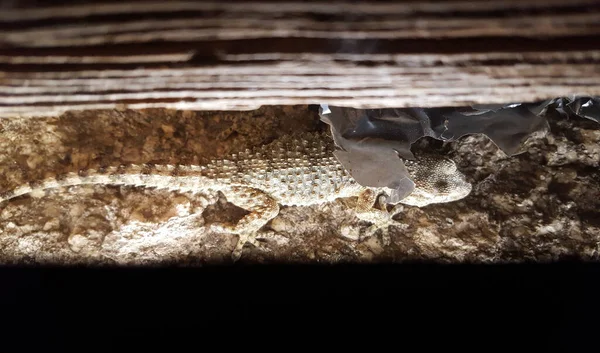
540	205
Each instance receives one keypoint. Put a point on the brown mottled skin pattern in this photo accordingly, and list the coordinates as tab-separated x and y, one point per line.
295	170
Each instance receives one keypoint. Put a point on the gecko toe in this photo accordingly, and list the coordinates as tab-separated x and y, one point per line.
243	239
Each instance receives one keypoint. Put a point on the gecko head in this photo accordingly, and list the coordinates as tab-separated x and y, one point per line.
437	180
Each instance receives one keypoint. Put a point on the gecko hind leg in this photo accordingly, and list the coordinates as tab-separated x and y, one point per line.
262	208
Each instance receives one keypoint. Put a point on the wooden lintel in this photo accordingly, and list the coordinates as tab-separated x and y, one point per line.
232	55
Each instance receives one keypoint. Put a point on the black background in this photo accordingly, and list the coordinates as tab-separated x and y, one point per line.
543	306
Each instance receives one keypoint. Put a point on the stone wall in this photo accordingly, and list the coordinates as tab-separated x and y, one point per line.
540	205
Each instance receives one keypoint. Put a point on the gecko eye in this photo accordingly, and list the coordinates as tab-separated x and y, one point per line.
448	166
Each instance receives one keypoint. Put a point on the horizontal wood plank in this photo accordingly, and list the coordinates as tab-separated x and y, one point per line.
244	54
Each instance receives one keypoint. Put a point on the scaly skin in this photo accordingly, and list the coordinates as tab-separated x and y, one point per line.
296	170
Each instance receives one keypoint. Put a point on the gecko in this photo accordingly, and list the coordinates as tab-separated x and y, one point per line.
294	170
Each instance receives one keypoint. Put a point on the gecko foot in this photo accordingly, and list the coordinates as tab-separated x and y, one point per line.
253	238
243	239
381	220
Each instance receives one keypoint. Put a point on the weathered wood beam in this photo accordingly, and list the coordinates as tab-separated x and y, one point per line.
243	54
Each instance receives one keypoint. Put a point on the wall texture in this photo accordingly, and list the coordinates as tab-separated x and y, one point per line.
540	205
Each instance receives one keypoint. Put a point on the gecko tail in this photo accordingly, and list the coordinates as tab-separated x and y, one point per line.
20	191
40	187
159	176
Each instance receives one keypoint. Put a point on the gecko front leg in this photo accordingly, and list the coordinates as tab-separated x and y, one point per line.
262	208
380	218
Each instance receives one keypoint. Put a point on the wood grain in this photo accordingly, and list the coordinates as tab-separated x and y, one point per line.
234	55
